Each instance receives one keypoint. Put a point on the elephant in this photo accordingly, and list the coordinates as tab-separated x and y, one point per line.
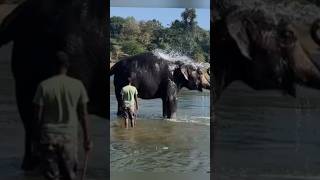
38	30
155	76
264	53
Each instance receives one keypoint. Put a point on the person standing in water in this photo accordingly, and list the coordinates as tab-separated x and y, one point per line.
129	96
60	103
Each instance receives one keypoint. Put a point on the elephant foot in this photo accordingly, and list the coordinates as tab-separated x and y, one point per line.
172	116
27	165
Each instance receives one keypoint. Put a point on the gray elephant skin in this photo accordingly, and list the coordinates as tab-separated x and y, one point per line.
253	47
38	30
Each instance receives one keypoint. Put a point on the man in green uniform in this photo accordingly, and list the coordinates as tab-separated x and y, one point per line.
129	95
61	101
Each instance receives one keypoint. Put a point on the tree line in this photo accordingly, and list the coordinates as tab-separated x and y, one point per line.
129	37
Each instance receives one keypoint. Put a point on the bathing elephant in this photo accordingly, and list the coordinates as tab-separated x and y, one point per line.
38	30
252	47
156	77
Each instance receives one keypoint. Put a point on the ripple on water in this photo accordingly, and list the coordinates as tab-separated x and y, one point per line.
160	146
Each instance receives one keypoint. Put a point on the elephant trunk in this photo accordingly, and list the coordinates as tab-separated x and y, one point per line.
315	31
305	69
205	81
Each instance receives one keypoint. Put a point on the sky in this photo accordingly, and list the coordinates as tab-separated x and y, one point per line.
165	15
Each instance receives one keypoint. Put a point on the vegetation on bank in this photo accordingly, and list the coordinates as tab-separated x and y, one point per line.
129	37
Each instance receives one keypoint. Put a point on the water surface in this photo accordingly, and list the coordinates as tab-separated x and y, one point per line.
158	145
264	134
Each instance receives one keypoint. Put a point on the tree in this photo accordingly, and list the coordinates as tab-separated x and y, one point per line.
132	47
188	17
116	25
184	36
150	33
130	30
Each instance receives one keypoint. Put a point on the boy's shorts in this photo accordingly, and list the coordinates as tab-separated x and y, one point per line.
59	160
129	113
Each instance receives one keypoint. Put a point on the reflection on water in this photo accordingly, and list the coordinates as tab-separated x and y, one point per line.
158	145
11	136
267	134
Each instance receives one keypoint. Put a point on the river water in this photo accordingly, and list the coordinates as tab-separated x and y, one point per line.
157	145
266	135
12	134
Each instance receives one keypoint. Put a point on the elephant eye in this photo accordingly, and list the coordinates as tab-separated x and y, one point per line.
287	37
288	34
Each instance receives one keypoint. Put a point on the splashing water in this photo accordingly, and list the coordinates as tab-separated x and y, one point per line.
177	57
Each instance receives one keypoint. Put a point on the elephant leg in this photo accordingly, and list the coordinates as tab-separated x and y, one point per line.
119	109
164	107
172	109
172	92
24	102
119	100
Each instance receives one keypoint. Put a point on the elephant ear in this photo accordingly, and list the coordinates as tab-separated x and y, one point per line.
239	30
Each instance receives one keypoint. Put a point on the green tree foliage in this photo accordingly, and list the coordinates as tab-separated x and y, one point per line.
132	47
130	30
188	18
116	25
131	37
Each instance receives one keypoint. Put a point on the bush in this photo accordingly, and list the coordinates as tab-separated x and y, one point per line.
132	47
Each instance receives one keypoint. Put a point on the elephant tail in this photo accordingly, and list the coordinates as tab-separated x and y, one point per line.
113	69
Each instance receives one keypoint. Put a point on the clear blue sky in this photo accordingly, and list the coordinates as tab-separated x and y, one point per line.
165	15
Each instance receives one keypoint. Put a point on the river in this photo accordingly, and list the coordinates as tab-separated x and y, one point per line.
157	145
266	135
12	133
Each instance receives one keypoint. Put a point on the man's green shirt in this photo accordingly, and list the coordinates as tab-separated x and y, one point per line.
60	96
128	92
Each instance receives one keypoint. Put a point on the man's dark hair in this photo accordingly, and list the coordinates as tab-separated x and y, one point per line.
129	79
62	59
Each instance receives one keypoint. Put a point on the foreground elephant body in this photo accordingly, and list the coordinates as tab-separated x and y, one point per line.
39	29
253	47
154	76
